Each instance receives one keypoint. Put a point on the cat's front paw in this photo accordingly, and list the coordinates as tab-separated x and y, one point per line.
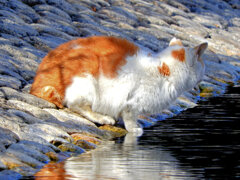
105	120
137	131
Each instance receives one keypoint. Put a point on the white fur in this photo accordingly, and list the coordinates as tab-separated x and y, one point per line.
139	87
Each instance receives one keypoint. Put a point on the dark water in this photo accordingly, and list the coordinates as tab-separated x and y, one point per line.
200	143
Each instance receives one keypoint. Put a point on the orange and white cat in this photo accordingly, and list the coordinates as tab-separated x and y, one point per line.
104	78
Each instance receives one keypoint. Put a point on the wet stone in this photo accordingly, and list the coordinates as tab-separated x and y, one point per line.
114	131
28	150
68	147
10	162
87	137
10	174
85	144
24	158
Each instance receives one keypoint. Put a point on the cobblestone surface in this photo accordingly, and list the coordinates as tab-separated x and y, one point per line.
32	131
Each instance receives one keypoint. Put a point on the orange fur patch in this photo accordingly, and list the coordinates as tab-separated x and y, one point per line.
179	54
164	70
93	55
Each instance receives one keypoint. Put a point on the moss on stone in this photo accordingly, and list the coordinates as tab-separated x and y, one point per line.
66	147
11	164
114	131
87	137
52	156
85	144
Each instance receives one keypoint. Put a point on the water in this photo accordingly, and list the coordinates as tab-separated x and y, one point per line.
200	143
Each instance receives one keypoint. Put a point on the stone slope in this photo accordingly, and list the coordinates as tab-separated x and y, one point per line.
32	131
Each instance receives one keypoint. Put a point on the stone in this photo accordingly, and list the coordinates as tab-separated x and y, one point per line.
9	174
68	147
33	2
7	137
85	144
2	150
86	137
10	121
47	10
43	148
27	118
25	171
10	162
48	132
11	27
114	131
24	159
45	29
28	151
68	116
11	94
9	81
21	8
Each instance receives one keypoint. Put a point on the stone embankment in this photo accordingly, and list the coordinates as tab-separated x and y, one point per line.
32	131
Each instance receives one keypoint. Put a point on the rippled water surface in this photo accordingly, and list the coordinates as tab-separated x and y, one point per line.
200	143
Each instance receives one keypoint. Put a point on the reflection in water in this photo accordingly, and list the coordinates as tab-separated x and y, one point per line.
125	162
201	143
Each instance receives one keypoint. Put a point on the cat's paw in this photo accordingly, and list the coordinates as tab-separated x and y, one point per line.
105	120
137	131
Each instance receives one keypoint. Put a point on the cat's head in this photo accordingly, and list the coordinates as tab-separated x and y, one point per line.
185	64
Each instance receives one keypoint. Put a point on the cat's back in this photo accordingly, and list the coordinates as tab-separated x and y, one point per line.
93	55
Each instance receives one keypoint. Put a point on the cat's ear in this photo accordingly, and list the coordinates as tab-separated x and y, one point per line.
199	50
175	41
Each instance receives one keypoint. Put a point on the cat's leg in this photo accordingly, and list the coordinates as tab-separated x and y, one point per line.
130	121
95	117
81	94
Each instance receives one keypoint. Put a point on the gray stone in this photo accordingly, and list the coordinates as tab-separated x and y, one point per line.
2	150
10	81
26	150
26	171
45	42
10	121
37	146
9	174
21	8
63	5
12	94
119	14
24	158
71	122
65	116
10	161
7	137
28	136
9	26
27	118
44	29
47	10
33	2
47	132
